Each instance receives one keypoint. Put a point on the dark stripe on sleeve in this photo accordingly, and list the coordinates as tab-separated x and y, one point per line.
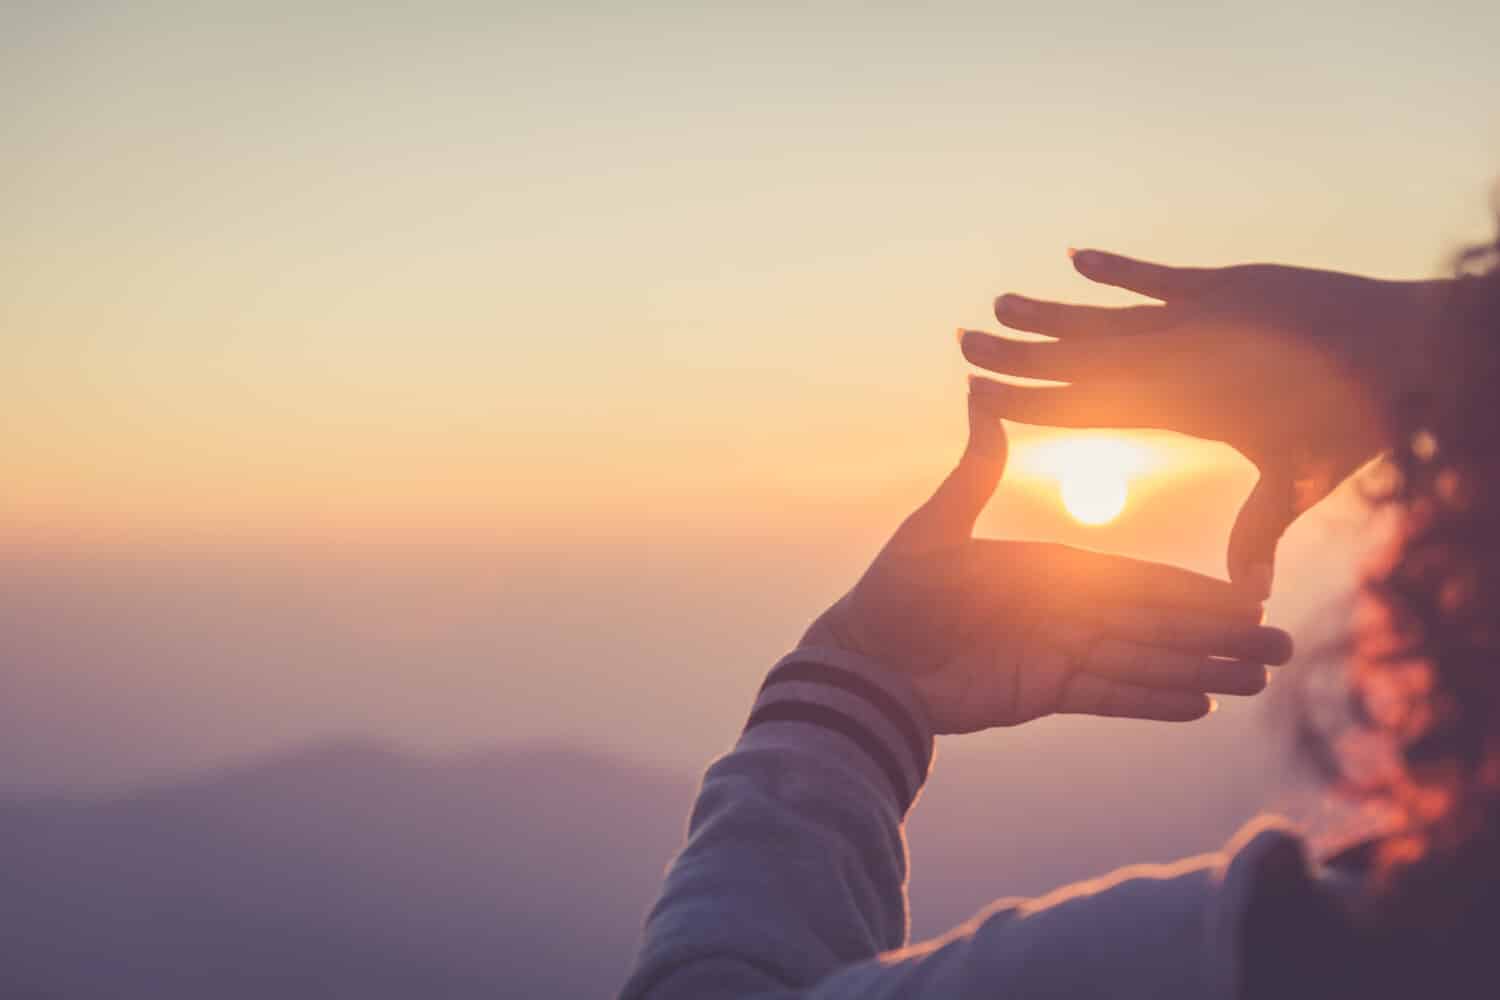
820	715
860	687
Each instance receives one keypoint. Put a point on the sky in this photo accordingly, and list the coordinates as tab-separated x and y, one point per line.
486	372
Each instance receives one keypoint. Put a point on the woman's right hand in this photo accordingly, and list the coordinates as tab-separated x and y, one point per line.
1296	369
997	633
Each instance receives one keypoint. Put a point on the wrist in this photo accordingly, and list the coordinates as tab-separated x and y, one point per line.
848	709
838	628
1411	320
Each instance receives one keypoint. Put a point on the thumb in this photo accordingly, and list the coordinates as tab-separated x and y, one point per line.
1267	512
948	516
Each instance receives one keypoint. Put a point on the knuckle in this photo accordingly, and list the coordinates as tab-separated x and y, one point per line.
1203	675
1105	655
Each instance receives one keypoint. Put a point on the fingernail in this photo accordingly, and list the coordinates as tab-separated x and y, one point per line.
1213	705
1013	305
959	334
1072	251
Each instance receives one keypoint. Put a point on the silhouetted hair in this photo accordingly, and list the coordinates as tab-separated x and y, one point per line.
1417	742
1425	650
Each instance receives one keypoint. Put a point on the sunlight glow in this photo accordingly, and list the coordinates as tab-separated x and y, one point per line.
1091	472
1094	496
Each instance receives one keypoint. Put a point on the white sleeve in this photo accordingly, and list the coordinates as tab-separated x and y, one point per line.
792	883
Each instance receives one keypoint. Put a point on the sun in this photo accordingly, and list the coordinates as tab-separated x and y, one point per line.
1092	473
1093	496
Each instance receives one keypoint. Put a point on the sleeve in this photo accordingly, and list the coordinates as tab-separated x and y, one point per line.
795	864
792	884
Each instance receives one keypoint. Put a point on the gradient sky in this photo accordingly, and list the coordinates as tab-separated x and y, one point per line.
675	281
270	267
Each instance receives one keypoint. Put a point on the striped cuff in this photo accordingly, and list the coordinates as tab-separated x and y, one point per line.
843	705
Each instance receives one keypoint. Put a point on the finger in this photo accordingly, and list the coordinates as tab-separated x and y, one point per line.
1161	586
1156	667
1059	360
1155	280
1194	632
1056	319
1097	403
1237	677
1082	582
1264	518
1088	694
1093	405
949	515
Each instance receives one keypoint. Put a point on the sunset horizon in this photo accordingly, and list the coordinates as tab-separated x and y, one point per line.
423	428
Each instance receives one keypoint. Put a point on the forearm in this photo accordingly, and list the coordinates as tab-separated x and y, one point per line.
795	865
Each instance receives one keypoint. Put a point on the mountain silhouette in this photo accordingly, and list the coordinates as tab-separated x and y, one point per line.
344	870
352	869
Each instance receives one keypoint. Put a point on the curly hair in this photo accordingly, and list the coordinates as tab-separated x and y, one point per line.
1425	663
1415	740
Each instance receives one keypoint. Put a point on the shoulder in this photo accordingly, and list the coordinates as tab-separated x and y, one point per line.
1142	931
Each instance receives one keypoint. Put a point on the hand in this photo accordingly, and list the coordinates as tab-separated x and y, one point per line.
995	633
1296	369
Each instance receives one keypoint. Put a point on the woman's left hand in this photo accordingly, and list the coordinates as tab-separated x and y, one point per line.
996	633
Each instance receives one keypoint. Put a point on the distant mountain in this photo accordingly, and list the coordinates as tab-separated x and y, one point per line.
346	870
352	870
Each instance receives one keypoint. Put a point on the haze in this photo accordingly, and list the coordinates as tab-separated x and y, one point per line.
500	373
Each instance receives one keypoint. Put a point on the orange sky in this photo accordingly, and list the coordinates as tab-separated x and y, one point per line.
304	276
607	302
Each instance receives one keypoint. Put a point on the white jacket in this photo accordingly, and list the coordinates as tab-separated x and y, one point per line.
792	883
